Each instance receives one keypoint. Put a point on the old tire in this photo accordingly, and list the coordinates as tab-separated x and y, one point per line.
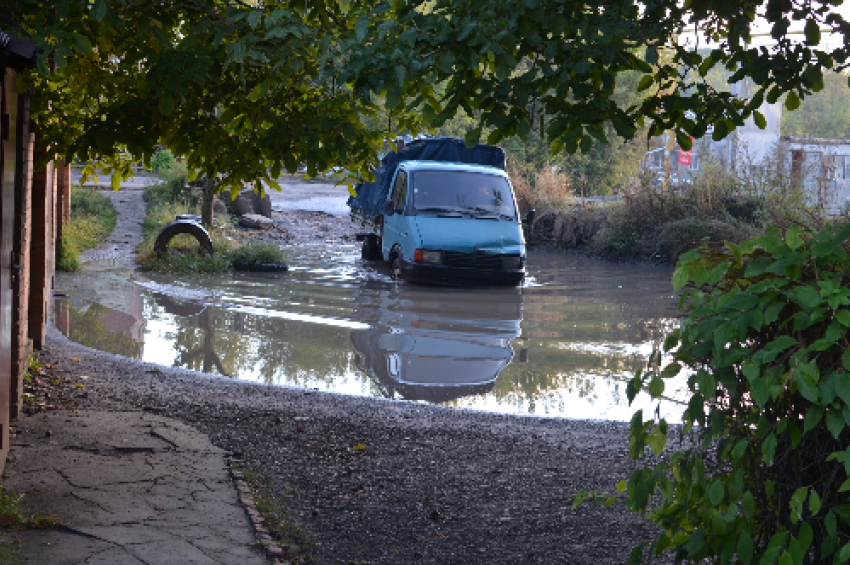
371	250
178	227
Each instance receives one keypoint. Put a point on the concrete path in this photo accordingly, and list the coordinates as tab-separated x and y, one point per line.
128	488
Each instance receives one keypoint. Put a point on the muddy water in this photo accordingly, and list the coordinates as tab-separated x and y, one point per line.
562	345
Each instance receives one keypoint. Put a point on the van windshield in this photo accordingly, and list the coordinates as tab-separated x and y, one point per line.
465	192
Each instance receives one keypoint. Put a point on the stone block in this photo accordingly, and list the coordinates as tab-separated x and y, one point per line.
255	221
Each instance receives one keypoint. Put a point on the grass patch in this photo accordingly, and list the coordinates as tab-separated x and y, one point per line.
258	253
92	218
14	519
184	255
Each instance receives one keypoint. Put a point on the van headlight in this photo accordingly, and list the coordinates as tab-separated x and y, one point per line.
512	263
423	256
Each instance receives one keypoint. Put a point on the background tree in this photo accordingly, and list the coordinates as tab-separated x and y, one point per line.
825	114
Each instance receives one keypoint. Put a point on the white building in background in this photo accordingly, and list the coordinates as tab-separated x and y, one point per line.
823	165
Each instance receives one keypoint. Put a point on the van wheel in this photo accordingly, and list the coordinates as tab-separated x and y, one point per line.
371	249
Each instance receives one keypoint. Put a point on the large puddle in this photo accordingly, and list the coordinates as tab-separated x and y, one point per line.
565	344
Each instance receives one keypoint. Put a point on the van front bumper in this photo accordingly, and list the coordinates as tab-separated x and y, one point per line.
431	273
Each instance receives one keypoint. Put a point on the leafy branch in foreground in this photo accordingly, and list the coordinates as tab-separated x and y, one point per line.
765	474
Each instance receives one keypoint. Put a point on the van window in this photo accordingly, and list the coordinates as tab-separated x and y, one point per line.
400	191
463	191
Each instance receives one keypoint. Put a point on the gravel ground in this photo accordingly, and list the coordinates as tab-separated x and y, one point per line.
375	481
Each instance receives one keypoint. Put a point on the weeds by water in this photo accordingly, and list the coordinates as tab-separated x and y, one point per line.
650	223
92	219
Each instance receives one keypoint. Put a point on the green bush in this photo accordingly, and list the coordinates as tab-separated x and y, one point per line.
162	160
764	476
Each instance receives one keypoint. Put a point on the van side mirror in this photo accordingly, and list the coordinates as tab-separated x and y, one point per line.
389	208
529	218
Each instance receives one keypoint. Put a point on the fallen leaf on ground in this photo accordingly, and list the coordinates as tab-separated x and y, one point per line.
359	447
79	385
75	359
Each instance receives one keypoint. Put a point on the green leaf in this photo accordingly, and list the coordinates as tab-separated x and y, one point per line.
739	450
842	386
844	554
781	343
834	422
748	505
796	503
82	43
793	239
812	31
695	542
845	359
258	91
814	415
768	448
361	28
254	18
472	136
759	120
721	130
716	492
656	387
166	104
680	277
657	440
843	317
98	10
645	83
792	101
745	547
814	502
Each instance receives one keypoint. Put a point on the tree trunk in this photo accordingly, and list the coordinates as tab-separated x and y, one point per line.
207	200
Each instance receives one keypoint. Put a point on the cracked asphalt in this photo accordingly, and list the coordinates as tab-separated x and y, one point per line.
128	488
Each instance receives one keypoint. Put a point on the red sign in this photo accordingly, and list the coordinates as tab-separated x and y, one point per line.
685	157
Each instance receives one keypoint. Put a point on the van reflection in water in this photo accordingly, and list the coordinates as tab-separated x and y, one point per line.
435	345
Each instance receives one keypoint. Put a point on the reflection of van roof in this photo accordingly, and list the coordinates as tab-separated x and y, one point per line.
441	166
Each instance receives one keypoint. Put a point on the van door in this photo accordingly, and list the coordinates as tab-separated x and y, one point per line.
395	224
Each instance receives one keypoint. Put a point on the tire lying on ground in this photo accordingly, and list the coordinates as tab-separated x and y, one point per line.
178	227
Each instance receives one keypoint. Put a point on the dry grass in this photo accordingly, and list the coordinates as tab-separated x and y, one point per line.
544	191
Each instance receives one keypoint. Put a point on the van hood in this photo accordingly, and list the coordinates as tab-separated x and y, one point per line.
469	235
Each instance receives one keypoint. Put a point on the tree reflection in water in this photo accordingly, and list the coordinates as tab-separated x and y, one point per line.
99	327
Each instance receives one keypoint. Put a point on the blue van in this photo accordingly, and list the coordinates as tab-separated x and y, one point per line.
446	217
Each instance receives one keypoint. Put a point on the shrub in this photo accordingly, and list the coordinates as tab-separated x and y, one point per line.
765	477
258	252
162	160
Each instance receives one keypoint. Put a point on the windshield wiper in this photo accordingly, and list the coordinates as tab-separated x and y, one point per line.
486	214
442	209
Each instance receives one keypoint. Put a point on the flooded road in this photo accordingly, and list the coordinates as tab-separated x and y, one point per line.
564	344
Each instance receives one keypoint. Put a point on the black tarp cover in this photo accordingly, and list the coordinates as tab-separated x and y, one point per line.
371	195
